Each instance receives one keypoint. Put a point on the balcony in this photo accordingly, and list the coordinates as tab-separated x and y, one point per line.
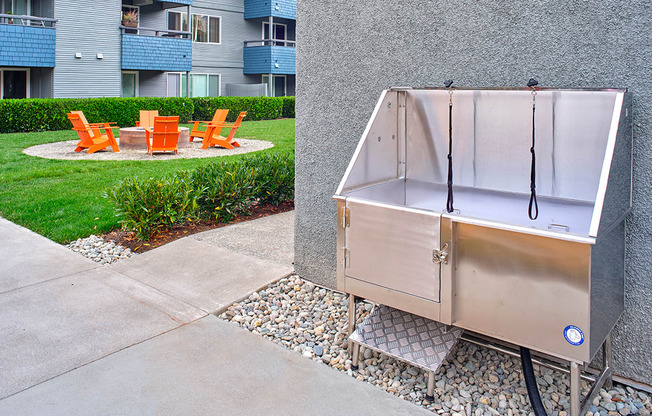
27	41
269	57
174	3
286	9
156	50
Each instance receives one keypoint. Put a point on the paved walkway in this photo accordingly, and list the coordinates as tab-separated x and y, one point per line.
138	337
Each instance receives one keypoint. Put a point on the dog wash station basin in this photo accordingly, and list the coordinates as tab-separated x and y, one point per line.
476	262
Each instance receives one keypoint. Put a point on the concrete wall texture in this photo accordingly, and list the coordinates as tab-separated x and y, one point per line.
350	51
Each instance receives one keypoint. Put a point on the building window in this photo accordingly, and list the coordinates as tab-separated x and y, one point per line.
205	29
129	84
280	33
201	85
17	7
277	87
14	83
178	21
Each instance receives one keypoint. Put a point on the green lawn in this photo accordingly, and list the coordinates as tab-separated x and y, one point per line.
62	199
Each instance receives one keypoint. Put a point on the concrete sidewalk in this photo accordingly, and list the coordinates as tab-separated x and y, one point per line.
137	337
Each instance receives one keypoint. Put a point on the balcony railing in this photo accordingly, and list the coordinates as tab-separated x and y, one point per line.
14	19
270	42
146	31
146	49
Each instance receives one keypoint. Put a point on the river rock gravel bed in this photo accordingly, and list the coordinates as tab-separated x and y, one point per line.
99	250
477	381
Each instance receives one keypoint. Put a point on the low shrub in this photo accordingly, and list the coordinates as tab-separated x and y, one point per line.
228	189
218	191
147	206
273	177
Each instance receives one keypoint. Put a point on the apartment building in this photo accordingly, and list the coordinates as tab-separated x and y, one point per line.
147	48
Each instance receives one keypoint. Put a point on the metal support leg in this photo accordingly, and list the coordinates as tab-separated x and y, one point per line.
352	313
356	356
430	392
575	393
607	356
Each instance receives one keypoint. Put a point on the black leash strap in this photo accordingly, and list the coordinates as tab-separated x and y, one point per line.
533	207
449	199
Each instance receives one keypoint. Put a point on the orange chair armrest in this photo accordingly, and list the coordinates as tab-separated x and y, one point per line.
199	121
102	124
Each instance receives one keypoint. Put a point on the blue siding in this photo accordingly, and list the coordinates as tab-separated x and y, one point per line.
262	60
27	46
150	53
264	8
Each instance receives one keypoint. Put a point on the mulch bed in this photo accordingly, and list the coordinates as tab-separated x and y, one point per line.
129	240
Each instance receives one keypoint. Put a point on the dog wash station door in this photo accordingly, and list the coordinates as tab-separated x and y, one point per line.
393	242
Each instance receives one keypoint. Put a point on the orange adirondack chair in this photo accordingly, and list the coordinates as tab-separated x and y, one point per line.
227	142
163	137
218	117
147	118
90	134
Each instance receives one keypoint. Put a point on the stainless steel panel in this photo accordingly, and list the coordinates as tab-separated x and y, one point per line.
393	248
492	135
391	192
607	284
617	197
384	296
521	288
376	158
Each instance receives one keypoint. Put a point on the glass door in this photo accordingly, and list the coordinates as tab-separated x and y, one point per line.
279	85
14	84
130	84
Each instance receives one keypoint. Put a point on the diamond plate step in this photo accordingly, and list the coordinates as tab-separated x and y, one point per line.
419	341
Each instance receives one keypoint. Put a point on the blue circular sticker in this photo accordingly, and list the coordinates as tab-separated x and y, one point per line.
573	335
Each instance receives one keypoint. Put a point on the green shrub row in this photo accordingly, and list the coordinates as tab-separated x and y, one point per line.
45	114
288	107
218	191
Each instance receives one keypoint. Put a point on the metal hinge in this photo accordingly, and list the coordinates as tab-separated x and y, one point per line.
346	217
345	257
440	256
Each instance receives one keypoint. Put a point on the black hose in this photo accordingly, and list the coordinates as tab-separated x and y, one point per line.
531	383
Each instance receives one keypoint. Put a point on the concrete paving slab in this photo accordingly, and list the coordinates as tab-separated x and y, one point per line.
208	367
270	238
53	327
28	258
201	274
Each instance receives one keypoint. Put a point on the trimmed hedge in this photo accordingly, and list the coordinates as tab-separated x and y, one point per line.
288	107
218	191
44	114
257	108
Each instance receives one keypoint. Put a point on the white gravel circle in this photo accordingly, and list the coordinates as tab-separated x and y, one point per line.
473	381
66	150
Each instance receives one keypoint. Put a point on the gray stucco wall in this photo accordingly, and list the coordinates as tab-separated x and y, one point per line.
350	51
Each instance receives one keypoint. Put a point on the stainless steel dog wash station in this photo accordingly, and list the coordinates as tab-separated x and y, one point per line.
499	212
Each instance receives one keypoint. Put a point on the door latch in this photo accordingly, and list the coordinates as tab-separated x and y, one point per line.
440	256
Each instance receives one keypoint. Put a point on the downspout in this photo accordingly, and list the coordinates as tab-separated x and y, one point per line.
188	72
